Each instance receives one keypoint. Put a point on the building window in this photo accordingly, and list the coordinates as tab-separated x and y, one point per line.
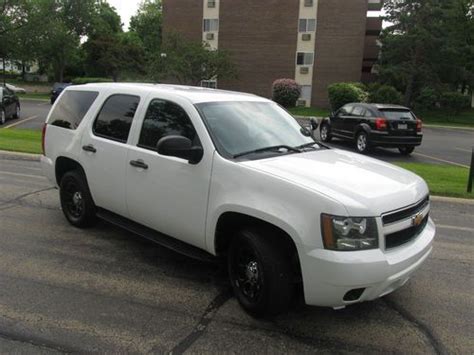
304	58
307	25
210	84
308	3
211	25
211	3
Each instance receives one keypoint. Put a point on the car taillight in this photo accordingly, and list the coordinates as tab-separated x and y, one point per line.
43	136
380	124
419	125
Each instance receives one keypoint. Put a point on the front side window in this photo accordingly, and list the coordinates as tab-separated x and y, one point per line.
71	108
238	127
304	58
164	118
211	25
307	25
115	118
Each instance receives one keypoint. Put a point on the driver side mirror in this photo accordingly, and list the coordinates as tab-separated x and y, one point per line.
180	147
314	123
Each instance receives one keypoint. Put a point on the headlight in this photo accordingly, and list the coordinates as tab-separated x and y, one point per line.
349	233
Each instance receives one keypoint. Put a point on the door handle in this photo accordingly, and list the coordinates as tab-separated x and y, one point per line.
89	148
138	164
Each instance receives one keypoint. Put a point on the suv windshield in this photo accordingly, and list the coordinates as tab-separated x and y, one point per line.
242	127
398	114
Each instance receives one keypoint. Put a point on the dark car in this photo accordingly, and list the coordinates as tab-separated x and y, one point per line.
371	125
9	105
58	89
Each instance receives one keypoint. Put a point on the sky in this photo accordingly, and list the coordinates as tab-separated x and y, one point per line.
126	9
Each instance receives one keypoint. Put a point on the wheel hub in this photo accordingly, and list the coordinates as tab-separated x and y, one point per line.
77	198
252	271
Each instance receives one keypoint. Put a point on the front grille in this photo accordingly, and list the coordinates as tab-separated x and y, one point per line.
396	216
404	236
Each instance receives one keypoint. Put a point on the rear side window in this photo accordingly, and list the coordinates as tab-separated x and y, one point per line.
164	118
115	118
71	108
358	111
398	114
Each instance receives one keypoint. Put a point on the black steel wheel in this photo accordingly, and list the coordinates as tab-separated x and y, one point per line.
260	273
76	201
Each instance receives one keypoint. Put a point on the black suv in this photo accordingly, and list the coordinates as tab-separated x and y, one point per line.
9	105
370	125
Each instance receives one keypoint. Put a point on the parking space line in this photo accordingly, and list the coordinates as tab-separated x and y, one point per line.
22	121
24	175
441	160
464	229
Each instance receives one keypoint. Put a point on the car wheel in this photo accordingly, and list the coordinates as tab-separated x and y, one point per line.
3	117
17	112
260	273
362	142
406	150
324	133
76	200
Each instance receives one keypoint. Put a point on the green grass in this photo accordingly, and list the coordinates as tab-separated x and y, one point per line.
437	117
20	140
446	118
36	96
443	180
309	111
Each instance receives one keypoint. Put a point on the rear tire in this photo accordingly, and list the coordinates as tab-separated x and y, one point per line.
260	272
406	150
325	133
3	117
76	200
362	142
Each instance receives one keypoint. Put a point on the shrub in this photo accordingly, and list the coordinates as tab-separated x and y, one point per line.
385	94
454	101
286	92
80	81
344	93
427	99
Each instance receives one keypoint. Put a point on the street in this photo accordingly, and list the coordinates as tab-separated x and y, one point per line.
440	145
102	289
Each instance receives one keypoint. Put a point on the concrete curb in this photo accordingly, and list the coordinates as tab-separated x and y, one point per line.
32	99
5	154
463	201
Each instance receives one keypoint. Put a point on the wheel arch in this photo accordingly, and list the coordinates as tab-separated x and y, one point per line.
65	164
363	127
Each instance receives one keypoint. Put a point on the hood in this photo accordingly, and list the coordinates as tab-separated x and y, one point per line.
365	186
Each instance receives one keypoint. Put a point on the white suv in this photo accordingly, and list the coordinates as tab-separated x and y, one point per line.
213	173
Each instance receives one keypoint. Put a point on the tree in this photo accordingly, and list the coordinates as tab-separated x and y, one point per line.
115	54
190	62
147	24
428	45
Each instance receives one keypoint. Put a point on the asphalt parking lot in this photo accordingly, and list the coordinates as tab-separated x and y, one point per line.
440	145
102	289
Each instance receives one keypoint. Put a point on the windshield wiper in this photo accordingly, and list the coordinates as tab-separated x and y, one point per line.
266	149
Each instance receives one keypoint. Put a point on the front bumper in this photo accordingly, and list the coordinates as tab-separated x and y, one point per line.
383	139
329	275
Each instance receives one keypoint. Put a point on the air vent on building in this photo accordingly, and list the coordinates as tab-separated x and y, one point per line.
211	3
308	3
304	70
306	36
209	36
301	103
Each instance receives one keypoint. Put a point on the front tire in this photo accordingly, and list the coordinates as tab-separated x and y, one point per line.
362	142
76	200
406	150
17	112
325	133
260	272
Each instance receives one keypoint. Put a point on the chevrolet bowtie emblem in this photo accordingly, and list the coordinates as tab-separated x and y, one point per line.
417	219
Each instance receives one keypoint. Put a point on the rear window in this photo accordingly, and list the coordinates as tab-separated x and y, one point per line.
71	108
398	114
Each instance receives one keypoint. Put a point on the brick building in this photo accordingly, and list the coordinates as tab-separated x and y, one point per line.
316	42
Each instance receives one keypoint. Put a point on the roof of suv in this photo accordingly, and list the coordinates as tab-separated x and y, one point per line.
195	94
382	106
